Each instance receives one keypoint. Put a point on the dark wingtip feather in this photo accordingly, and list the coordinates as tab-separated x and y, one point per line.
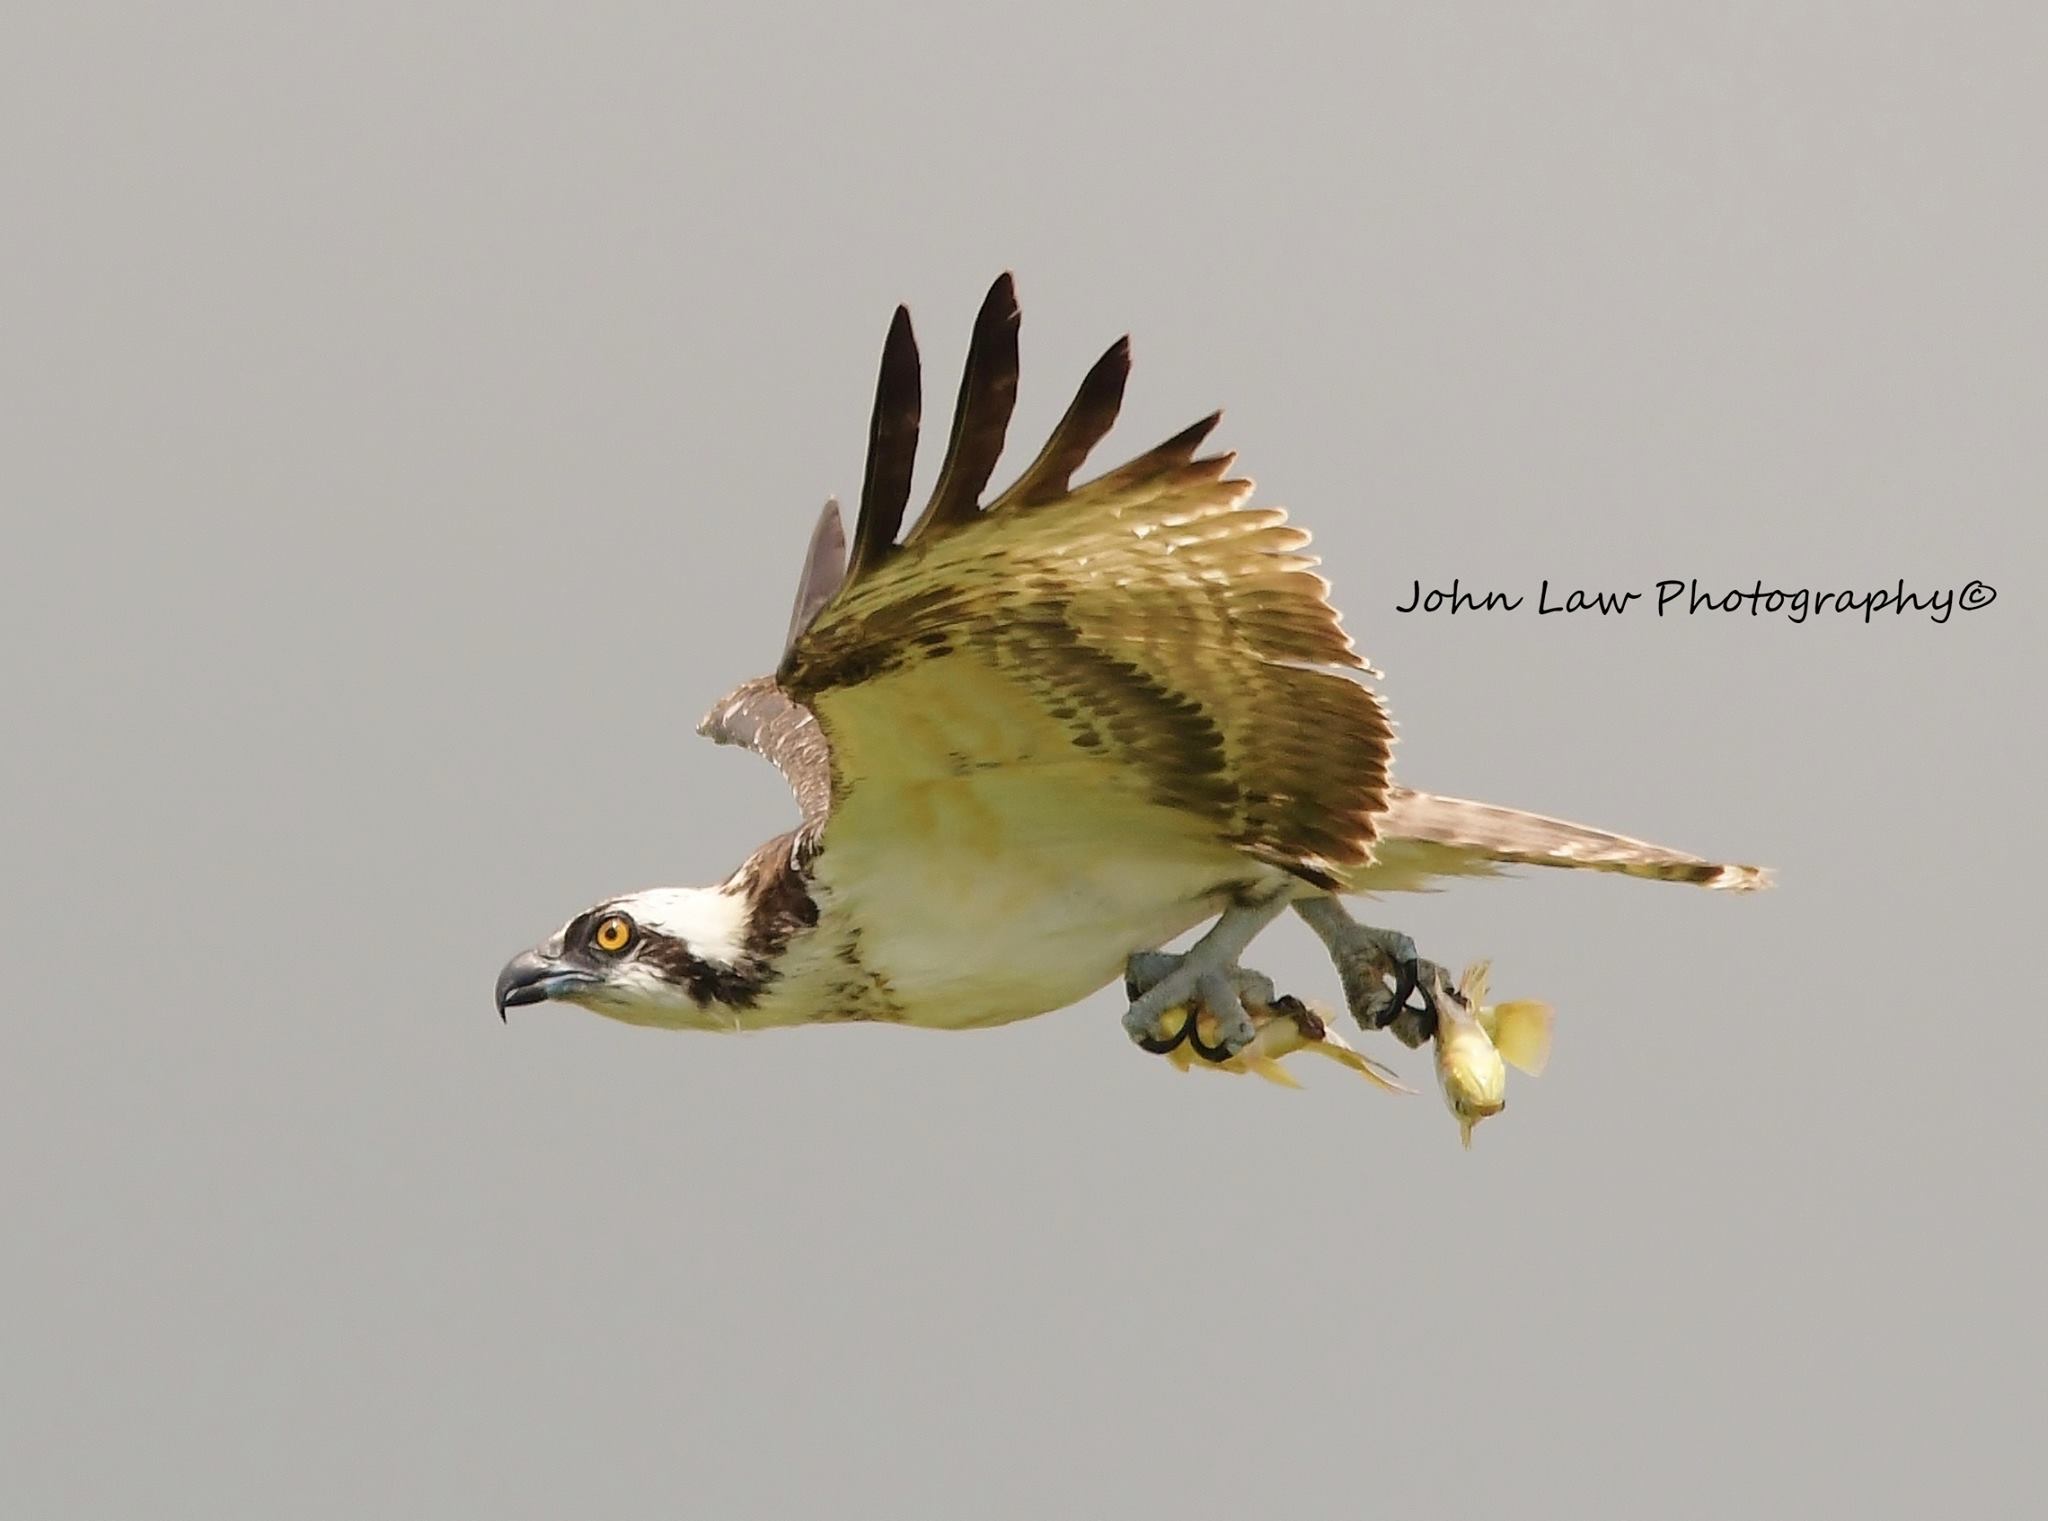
1091	415
1182	445
1176	453
823	573
892	450
981	417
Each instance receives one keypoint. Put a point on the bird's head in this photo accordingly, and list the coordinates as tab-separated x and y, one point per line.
673	956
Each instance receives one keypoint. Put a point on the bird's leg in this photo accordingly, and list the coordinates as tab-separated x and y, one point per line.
1144	970
1367	960
1209	973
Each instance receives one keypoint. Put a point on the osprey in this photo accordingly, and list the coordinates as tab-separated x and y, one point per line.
1039	736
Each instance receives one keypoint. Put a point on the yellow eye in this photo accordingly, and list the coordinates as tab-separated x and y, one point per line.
613	932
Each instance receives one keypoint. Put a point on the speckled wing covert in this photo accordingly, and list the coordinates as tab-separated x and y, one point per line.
1147	632
759	716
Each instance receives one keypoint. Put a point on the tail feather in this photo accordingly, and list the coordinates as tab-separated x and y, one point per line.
1422	836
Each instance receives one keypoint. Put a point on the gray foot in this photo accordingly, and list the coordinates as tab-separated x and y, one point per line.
1207	974
1251	990
1368	960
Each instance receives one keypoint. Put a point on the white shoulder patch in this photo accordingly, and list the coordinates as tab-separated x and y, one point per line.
710	921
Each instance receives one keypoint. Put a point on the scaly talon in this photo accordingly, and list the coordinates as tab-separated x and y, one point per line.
1406	975
1209	1007
1144	970
1367	959
1234	1027
1174	1027
1208	972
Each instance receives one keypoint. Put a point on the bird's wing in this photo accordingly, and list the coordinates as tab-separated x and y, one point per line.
1424	836
1147	634
759	716
824	571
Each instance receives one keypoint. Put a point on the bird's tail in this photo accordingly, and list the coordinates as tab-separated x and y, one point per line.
1422	836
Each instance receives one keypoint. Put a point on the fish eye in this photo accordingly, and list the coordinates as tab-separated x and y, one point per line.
614	932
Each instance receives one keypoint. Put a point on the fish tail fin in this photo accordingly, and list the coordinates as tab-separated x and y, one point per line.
1522	1033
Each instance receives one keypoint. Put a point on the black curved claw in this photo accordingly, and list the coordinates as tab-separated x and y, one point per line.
1208	1053
1426	1016
1159	1045
1407	977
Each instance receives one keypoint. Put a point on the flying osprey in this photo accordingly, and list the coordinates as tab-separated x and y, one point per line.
1043	735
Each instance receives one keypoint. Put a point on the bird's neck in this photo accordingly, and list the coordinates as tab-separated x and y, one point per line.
754	929
800	957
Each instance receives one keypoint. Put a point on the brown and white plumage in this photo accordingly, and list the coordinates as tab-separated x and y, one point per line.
1049	728
1147	633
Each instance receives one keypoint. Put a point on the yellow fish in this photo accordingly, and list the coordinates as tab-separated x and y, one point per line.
1475	1042
1284	1027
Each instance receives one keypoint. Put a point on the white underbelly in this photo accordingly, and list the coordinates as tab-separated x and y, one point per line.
977	905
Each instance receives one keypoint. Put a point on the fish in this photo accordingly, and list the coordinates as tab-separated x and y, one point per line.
1285	1026
1477	1042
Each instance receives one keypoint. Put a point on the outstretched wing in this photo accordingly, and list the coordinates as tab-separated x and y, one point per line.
758	715
1424	836
1148	634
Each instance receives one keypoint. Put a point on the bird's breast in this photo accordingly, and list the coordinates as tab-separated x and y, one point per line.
980	900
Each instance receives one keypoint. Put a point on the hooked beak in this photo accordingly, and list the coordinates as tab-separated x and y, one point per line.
531	977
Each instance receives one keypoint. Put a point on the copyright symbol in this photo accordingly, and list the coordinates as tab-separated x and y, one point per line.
1976	595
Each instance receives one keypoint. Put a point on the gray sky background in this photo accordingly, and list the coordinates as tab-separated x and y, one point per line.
413	415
